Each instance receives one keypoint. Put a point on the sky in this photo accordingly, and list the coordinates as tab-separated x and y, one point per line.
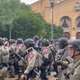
29	1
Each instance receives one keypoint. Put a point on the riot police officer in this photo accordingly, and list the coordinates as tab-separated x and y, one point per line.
36	42
62	45
4	59
62	53
74	69
21	50
12	47
35	38
72	62
33	61
47	58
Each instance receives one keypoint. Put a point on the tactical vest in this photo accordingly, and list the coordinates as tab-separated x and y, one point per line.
39	61
4	55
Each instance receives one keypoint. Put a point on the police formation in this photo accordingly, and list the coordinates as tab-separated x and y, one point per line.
40	59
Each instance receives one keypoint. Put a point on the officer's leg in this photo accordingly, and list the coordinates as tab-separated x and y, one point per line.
43	73
12	71
3	72
21	70
16	67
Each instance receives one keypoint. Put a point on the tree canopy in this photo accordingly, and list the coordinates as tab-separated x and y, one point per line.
26	23
29	24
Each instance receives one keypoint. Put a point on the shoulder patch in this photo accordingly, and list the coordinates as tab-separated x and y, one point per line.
23	46
46	51
31	55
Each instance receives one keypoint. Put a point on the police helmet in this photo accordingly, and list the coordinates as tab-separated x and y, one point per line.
19	41
36	38
5	39
11	41
29	43
63	42
76	45
1	41
45	42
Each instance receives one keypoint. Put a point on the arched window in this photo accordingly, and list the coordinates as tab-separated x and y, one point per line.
65	22
78	22
78	35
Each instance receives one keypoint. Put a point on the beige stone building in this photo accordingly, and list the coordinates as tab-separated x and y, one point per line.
66	13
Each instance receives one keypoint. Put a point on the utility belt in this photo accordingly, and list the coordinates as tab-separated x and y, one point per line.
1	66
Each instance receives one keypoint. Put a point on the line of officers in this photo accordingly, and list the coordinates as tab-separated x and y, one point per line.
35	59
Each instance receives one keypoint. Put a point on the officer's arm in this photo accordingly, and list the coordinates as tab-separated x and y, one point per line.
31	64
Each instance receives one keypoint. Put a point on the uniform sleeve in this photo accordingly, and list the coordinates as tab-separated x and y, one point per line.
32	60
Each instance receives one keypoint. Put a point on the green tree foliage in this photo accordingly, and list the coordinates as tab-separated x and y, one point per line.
25	7
9	10
29	24
26	23
57	31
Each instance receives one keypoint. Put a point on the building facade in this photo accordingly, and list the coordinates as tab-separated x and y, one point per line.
66	13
